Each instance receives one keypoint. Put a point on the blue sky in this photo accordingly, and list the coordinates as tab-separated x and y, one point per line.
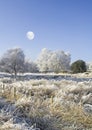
57	24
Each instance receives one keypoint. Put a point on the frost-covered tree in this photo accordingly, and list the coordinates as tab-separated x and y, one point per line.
13	61
30	66
60	61
43	60
89	66
53	61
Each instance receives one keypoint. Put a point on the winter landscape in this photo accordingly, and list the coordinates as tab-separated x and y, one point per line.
50	93
45	64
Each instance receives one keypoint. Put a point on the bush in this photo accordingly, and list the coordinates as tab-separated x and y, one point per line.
78	66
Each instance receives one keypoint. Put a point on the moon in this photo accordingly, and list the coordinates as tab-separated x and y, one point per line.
30	35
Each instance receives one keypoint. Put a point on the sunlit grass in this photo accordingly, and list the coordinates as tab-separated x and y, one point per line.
52	105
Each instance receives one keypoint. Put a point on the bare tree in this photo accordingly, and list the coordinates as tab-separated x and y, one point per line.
13	61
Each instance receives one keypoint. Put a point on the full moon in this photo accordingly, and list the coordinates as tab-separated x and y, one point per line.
30	35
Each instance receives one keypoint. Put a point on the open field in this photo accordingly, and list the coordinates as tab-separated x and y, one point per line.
46	102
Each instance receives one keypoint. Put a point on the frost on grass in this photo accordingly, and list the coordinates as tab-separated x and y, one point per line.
45	105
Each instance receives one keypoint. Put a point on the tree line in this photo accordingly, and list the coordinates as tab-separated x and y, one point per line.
14	61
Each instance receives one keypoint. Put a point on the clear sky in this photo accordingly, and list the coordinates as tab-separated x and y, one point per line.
57	24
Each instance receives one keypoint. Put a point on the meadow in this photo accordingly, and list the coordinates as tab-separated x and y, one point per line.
44	103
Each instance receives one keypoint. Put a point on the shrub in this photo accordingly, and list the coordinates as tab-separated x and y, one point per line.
78	66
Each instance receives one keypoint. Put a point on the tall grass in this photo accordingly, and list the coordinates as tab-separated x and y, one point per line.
51	105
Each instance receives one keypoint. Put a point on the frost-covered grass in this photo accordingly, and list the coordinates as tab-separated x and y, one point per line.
45	105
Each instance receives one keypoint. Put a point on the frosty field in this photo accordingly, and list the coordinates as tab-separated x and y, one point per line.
46	102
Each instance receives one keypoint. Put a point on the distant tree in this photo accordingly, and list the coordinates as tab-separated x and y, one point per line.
53	61
30	66
13	61
43	60
78	66
89	66
59	61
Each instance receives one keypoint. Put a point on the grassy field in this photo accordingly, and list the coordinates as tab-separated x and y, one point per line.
45	104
